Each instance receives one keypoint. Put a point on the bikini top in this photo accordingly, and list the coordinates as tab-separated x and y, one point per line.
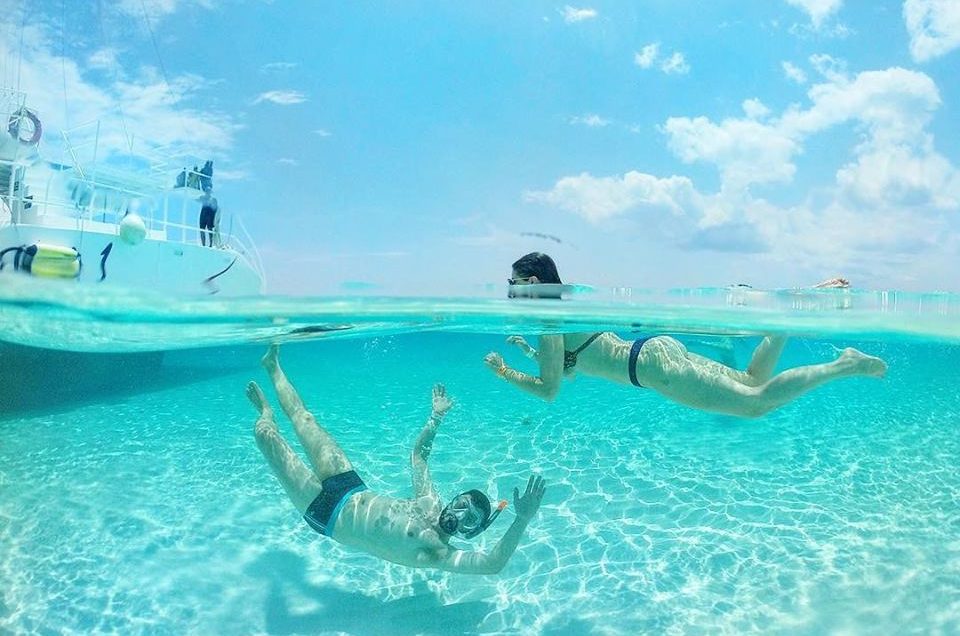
570	357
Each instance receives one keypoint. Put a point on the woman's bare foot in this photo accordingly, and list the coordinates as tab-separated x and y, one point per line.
862	364
258	399
271	359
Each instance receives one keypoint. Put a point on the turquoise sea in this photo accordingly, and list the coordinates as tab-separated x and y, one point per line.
133	499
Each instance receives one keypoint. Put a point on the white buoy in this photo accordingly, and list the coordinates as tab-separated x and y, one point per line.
132	229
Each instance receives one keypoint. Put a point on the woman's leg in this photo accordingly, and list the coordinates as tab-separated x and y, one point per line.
673	372
325	454
760	369
302	486
792	383
765	358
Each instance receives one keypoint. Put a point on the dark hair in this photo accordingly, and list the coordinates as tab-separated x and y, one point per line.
537	264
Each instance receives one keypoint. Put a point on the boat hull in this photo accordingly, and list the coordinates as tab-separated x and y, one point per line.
36	378
168	267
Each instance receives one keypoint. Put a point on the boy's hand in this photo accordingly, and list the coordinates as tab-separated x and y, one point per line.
441	403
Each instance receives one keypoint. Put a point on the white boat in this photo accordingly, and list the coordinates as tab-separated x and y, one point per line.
100	224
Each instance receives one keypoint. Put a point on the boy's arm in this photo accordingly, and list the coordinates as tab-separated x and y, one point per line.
422	482
492	562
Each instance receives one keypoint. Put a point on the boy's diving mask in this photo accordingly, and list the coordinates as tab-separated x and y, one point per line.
469	514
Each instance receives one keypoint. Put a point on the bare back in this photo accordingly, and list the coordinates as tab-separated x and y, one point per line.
606	357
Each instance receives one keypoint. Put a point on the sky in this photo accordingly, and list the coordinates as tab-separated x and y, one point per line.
422	147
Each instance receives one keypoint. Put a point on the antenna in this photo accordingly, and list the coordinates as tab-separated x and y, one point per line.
63	60
23	25
113	69
163	68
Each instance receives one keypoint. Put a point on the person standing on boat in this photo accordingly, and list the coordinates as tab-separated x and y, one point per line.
209	211
334	501
664	364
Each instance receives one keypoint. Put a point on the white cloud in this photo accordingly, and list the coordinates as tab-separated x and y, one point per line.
745	151
755	109
278	66
650	55
675	64
647	56
934	27
818	10
322	133
105	58
600	198
572	14
590	120
490	236
286	161
794	73
283	98
893	105
226	174
157	9
897	174
895	197
829	67
154	112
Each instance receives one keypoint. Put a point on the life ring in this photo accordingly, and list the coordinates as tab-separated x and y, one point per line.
13	126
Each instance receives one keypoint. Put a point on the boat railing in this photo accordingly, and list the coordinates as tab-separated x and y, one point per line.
85	193
98	200
77	139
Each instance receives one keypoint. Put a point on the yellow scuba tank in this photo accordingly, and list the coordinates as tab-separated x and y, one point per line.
46	261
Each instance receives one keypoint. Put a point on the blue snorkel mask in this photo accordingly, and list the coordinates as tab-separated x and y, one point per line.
469	514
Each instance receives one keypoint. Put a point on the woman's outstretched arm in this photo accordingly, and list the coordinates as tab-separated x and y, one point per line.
546	385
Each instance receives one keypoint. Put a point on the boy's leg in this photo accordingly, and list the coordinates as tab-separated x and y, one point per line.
325	454
302	486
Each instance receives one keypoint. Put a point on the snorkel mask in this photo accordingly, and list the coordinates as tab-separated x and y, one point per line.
539	290
469	514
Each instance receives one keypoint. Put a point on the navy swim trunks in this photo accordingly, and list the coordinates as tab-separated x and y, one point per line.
322	513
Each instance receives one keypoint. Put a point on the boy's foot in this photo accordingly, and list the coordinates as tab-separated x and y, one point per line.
258	399
271	359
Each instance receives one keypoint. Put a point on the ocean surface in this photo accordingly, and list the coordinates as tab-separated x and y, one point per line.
133	499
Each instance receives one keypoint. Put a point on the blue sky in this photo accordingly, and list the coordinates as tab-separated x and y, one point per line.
422	146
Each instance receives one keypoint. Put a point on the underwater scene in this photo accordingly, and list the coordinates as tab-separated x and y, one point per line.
441	318
135	498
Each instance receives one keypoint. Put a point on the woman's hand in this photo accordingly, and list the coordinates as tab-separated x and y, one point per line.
517	340
525	347
441	403
495	361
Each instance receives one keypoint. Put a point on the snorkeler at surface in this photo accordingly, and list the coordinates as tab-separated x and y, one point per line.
335	502
663	364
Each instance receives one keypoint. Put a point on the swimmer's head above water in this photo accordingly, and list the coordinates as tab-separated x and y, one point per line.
535	268
468	514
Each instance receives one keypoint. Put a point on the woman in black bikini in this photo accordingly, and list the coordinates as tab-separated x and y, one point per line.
663	364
